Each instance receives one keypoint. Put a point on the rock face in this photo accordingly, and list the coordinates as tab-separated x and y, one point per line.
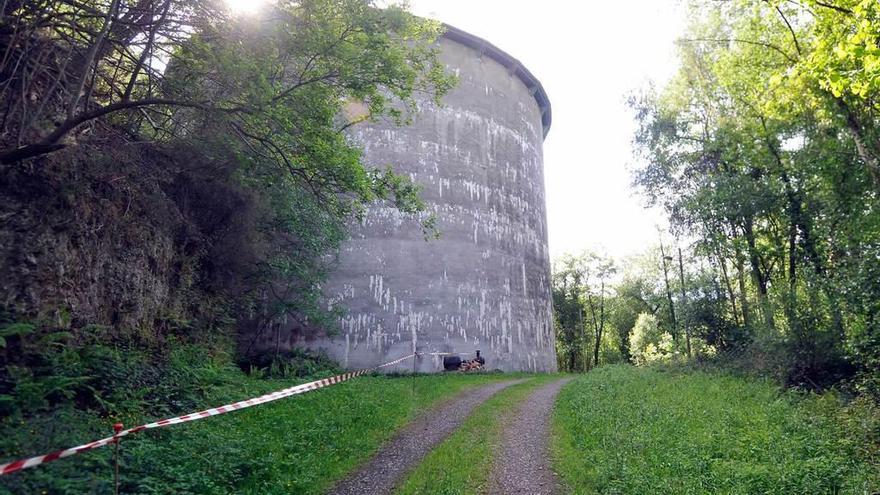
485	284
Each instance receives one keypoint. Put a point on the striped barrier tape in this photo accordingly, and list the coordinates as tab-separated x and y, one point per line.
14	466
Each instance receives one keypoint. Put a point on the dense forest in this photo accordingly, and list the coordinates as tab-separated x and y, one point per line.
764	152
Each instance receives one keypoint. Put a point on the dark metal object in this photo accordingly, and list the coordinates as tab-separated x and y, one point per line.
451	363
455	363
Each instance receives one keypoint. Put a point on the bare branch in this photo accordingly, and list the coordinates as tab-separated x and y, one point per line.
797	45
147	51
91	57
51	142
737	40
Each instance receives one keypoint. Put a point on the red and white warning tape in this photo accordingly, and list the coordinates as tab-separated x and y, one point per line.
14	466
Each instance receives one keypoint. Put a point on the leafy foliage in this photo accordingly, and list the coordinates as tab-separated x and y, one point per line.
763	151
260	101
580	292
647	343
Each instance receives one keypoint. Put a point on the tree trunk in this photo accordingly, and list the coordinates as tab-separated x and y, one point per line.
760	278
583	332
91	59
794	210
741	281
720	297
586	364
684	322
723	264
668	292
600	327
866	151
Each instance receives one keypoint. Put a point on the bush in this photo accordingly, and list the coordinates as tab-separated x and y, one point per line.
648	343
290	364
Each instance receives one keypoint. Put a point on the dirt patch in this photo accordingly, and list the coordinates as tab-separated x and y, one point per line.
398	456
523	464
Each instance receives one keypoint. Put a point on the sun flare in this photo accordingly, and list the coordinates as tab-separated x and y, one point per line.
246	7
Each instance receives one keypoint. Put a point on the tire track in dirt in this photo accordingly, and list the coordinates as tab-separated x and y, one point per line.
405	450
523	464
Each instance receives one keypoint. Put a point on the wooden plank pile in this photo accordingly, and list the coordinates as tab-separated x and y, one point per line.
471	365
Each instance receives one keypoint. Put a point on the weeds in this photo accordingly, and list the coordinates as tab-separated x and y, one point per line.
296	445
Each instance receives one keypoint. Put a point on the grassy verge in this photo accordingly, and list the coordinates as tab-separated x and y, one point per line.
296	445
630	430
463	462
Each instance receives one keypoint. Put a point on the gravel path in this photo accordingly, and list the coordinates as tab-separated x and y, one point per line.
406	449
523	464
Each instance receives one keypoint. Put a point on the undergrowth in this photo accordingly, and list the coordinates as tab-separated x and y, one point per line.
59	394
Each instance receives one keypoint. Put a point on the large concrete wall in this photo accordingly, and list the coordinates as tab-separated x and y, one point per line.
485	283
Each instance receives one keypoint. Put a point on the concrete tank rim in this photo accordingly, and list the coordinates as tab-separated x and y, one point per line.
508	61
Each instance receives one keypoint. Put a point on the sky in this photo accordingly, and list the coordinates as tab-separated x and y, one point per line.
589	55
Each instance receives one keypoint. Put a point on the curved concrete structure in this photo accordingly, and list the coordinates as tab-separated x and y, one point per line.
485	284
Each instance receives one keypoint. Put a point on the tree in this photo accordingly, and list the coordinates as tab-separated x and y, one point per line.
94	60
648	343
259	100
763	149
671	306
569	276
639	290
599	271
581	294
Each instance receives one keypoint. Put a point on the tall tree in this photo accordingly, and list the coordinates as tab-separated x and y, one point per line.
763	147
260	99
570	274
600	270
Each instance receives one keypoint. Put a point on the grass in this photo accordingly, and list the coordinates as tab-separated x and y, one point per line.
296	445
462	464
621	429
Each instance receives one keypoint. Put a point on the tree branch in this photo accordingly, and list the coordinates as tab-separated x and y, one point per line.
737	40
842	10
51	142
91	57
797	46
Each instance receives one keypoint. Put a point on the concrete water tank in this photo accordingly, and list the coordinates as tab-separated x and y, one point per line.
485	284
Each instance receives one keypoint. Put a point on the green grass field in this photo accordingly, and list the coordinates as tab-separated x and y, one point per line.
299	444
620	429
617	429
463	462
